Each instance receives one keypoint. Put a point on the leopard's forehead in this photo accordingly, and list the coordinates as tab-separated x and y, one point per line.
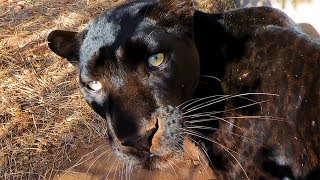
114	27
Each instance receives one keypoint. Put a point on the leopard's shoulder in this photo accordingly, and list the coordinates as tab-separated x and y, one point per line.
278	59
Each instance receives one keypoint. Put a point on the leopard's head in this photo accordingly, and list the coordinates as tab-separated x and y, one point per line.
138	67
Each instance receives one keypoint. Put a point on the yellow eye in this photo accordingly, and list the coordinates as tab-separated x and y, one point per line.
156	60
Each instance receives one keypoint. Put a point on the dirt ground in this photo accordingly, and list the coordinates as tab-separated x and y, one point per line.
47	131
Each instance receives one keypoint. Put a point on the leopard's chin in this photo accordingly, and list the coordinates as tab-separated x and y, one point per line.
148	160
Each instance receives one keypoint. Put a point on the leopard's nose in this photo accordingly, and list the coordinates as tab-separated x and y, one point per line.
140	142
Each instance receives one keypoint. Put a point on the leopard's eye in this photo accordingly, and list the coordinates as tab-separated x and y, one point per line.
94	86
156	60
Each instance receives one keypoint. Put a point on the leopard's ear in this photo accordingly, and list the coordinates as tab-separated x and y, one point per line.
181	8
65	44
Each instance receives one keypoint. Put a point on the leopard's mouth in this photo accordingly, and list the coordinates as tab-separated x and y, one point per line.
157	146
148	160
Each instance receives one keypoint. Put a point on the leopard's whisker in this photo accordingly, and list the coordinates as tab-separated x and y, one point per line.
195	100
209	98
125	171
152	32
129	170
181	146
95	160
238	163
192	121
224	147
79	162
200	115
111	168
105	160
146	12
203	150
209	104
122	170
115	171
221	99
242	107
269	118
200	135
130	167
217	129
214	119
212	77
202	162
178	160
204	128
173	169
203	159
210	114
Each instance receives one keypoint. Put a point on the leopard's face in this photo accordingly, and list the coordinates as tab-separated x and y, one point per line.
135	72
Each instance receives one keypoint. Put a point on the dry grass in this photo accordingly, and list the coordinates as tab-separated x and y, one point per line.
43	117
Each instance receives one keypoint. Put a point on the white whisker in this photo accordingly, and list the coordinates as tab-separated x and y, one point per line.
105	160
224	147
111	168
81	161
235	134
200	135
98	157
209	99
241	107
122	170
215	101
212	77
203	159
115	171
195	100
173	169
259	117
215	119
238	163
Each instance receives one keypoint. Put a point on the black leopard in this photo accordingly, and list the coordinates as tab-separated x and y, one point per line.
243	86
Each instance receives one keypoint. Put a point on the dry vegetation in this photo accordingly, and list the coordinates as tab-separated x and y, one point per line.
43	117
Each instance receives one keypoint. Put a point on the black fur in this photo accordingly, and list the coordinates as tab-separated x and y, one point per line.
205	55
